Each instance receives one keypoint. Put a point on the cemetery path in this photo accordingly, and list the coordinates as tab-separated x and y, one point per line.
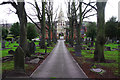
59	64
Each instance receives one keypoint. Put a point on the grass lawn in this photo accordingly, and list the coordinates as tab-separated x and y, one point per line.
109	55
9	65
11	47
38	50
112	45
4	52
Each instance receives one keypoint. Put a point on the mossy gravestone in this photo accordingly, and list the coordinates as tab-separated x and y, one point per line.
19	59
32	48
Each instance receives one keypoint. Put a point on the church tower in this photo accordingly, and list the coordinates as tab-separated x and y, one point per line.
61	23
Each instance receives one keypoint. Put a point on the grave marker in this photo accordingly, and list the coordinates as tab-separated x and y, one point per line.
19	59
3	44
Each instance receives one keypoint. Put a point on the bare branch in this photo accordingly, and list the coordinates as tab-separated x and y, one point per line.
34	22
90	5
38	11
12	3
86	12
56	10
89	16
31	4
55	17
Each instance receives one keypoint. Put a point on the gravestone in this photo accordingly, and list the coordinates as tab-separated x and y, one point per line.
10	52
19	59
36	60
88	48
108	48
18	41
12	40
41	57
117	41
77	50
31	47
83	48
3	44
40	43
45	49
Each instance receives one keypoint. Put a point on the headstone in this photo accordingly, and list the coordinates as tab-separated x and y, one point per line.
32	47
34	40
40	57
83	48
12	40
98	70
3	44
48	45
108	48
45	49
10	52
19	59
43	53
40	43
77	50
35	60
117	41
18	41
8	44
88	48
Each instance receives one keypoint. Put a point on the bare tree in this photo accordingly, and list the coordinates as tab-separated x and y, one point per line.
100	39
21	13
41	17
77	19
43	30
49	15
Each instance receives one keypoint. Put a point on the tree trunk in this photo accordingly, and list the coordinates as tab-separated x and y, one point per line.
49	23
71	29
53	31
66	35
43	26
78	27
49	31
23	36
23	25
92	41
100	39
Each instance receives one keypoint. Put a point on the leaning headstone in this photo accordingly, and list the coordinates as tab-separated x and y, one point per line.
19	59
3	44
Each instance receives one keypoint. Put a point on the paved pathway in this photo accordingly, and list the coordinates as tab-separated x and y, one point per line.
59	64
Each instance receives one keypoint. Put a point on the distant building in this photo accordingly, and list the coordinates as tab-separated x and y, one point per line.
61	25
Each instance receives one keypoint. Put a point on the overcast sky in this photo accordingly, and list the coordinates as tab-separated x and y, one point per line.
9	17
